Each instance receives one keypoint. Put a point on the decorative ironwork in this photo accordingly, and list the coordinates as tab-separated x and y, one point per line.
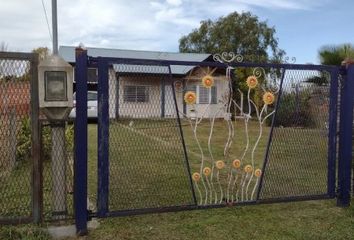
228	57
243	176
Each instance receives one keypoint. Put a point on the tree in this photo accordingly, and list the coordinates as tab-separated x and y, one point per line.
4	47
240	33
335	54
332	55
42	52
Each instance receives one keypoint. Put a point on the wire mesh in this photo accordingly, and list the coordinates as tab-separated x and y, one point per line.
58	172
147	163
297	160
226	133
15	138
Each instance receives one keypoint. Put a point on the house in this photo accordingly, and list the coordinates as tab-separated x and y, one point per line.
142	91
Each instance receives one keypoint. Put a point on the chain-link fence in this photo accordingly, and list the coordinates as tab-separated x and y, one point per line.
31	188
57	140
16	159
298	154
207	136
148	168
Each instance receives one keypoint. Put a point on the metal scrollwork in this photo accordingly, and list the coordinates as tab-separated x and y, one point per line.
228	57
290	60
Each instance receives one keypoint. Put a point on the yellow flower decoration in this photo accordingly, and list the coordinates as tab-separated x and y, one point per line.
248	168
220	164
258	172
252	81
207	171
208	81
196	177
190	97
268	98
236	163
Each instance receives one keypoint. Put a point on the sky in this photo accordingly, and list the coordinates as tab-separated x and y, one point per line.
302	26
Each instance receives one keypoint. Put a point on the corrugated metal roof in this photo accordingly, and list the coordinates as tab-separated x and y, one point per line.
68	53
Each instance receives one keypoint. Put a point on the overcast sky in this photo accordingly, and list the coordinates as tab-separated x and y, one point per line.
303	26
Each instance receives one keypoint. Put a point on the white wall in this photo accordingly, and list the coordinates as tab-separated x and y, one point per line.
152	109
211	110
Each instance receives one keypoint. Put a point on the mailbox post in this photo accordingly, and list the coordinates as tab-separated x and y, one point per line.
56	101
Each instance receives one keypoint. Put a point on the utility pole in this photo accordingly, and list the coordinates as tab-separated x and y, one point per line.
59	205
55	27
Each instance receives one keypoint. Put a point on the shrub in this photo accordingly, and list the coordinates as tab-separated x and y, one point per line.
294	111
23	148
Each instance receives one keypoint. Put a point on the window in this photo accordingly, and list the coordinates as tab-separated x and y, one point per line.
203	95
192	88
136	94
207	95
92	75
92	96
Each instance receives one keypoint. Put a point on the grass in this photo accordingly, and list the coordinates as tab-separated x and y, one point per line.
23	232
298	220
148	170
147	167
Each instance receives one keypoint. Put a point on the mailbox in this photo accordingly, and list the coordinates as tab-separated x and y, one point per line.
55	85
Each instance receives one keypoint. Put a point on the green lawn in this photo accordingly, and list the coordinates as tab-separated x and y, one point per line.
148	170
147	166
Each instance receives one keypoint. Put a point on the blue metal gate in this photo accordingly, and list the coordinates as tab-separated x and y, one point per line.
156	151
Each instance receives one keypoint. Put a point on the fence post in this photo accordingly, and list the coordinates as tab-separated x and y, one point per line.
103	138
345	137
37	178
80	145
332	137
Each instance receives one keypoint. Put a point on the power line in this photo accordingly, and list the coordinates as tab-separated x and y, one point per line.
46	19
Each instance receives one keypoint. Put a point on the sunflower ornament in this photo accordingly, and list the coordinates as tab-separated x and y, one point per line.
208	81
190	97
268	98
220	164
207	171
248	168
258	172
196	177
236	163
252	82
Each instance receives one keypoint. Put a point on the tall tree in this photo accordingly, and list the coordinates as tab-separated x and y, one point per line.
243	34
240	33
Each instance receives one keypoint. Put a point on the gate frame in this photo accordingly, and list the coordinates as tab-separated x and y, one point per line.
345	136
82	62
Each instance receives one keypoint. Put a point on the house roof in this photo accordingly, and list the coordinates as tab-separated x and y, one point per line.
68	53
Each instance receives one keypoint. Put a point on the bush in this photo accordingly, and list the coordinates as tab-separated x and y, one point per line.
294	111
23	149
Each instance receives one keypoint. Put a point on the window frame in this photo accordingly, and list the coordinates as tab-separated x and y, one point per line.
210	95
136	96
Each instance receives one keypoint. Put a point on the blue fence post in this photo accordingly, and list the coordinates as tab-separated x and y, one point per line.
345	137
80	163
103	138
332	135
